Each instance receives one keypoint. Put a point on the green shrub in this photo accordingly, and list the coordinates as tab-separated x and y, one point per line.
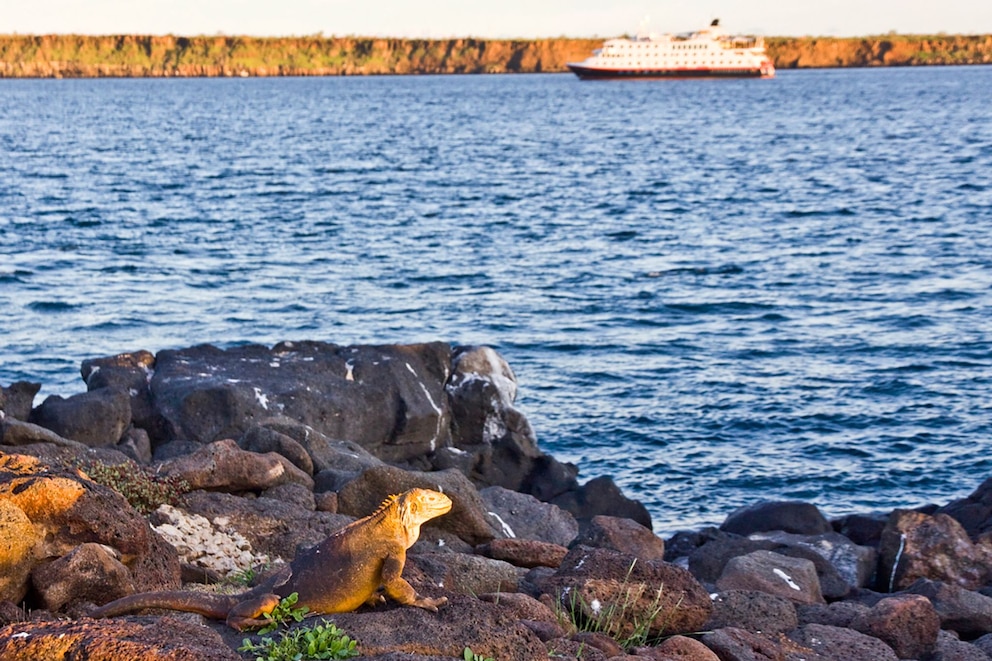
283	613
317	642
140	486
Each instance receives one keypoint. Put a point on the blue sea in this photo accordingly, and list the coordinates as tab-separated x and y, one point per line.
715	291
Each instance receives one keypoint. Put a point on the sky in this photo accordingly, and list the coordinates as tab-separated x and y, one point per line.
496	19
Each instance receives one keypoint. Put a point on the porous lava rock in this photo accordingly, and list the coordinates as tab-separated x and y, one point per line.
839	643
223	466
524	552
65	510
490	629
463	573
915	545
608	587
88	573
752	610
17	399
678	648
708	560
794	579
496	443
854	564
964	611
906	623
734	644
148	639
522	515
624	535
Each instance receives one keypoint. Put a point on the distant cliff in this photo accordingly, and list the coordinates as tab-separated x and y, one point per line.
890	50
73	56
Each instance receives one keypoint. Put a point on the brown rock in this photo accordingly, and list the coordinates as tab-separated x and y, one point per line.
524	552
916	545
262	440
752	610
966	612
600	641
794	579
678	648
624	535
906	623
88	573
522	606
624	595
489	629
840	643
466	574
67	510
17	540
467	516
732	644
950	648
161	639
837	614
223	466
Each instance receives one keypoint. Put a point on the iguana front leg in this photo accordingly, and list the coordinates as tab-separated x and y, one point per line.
398	589
249	614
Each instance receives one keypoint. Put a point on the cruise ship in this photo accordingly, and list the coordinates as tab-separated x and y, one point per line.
706	53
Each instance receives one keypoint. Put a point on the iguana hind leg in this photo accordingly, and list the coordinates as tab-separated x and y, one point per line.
249	614
398	589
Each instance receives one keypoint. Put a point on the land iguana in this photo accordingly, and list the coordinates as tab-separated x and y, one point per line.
337	575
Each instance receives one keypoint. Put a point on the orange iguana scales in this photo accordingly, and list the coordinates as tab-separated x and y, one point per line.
337	575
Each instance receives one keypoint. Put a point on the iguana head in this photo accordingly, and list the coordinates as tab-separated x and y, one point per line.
418	506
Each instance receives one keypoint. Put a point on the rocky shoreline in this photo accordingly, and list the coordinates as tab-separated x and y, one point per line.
127	56
203	468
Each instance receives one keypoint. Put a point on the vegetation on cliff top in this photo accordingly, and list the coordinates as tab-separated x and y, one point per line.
56	56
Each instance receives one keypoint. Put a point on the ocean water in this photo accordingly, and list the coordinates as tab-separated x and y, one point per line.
717	292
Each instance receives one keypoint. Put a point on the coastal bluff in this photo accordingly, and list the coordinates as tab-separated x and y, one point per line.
127	56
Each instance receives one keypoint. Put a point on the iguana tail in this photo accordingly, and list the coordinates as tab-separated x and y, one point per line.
215	606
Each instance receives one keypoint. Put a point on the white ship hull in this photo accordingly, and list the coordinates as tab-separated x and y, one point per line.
705	54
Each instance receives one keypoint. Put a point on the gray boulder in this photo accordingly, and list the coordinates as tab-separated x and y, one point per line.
389	399
97	418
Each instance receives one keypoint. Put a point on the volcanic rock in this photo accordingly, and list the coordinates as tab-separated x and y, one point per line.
151	639
906	623
624	535
617	588
223	466
966	612
96	418
389	399
752	610
524	516
794	579
524	552
916	545
789	516
467	518
839	643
